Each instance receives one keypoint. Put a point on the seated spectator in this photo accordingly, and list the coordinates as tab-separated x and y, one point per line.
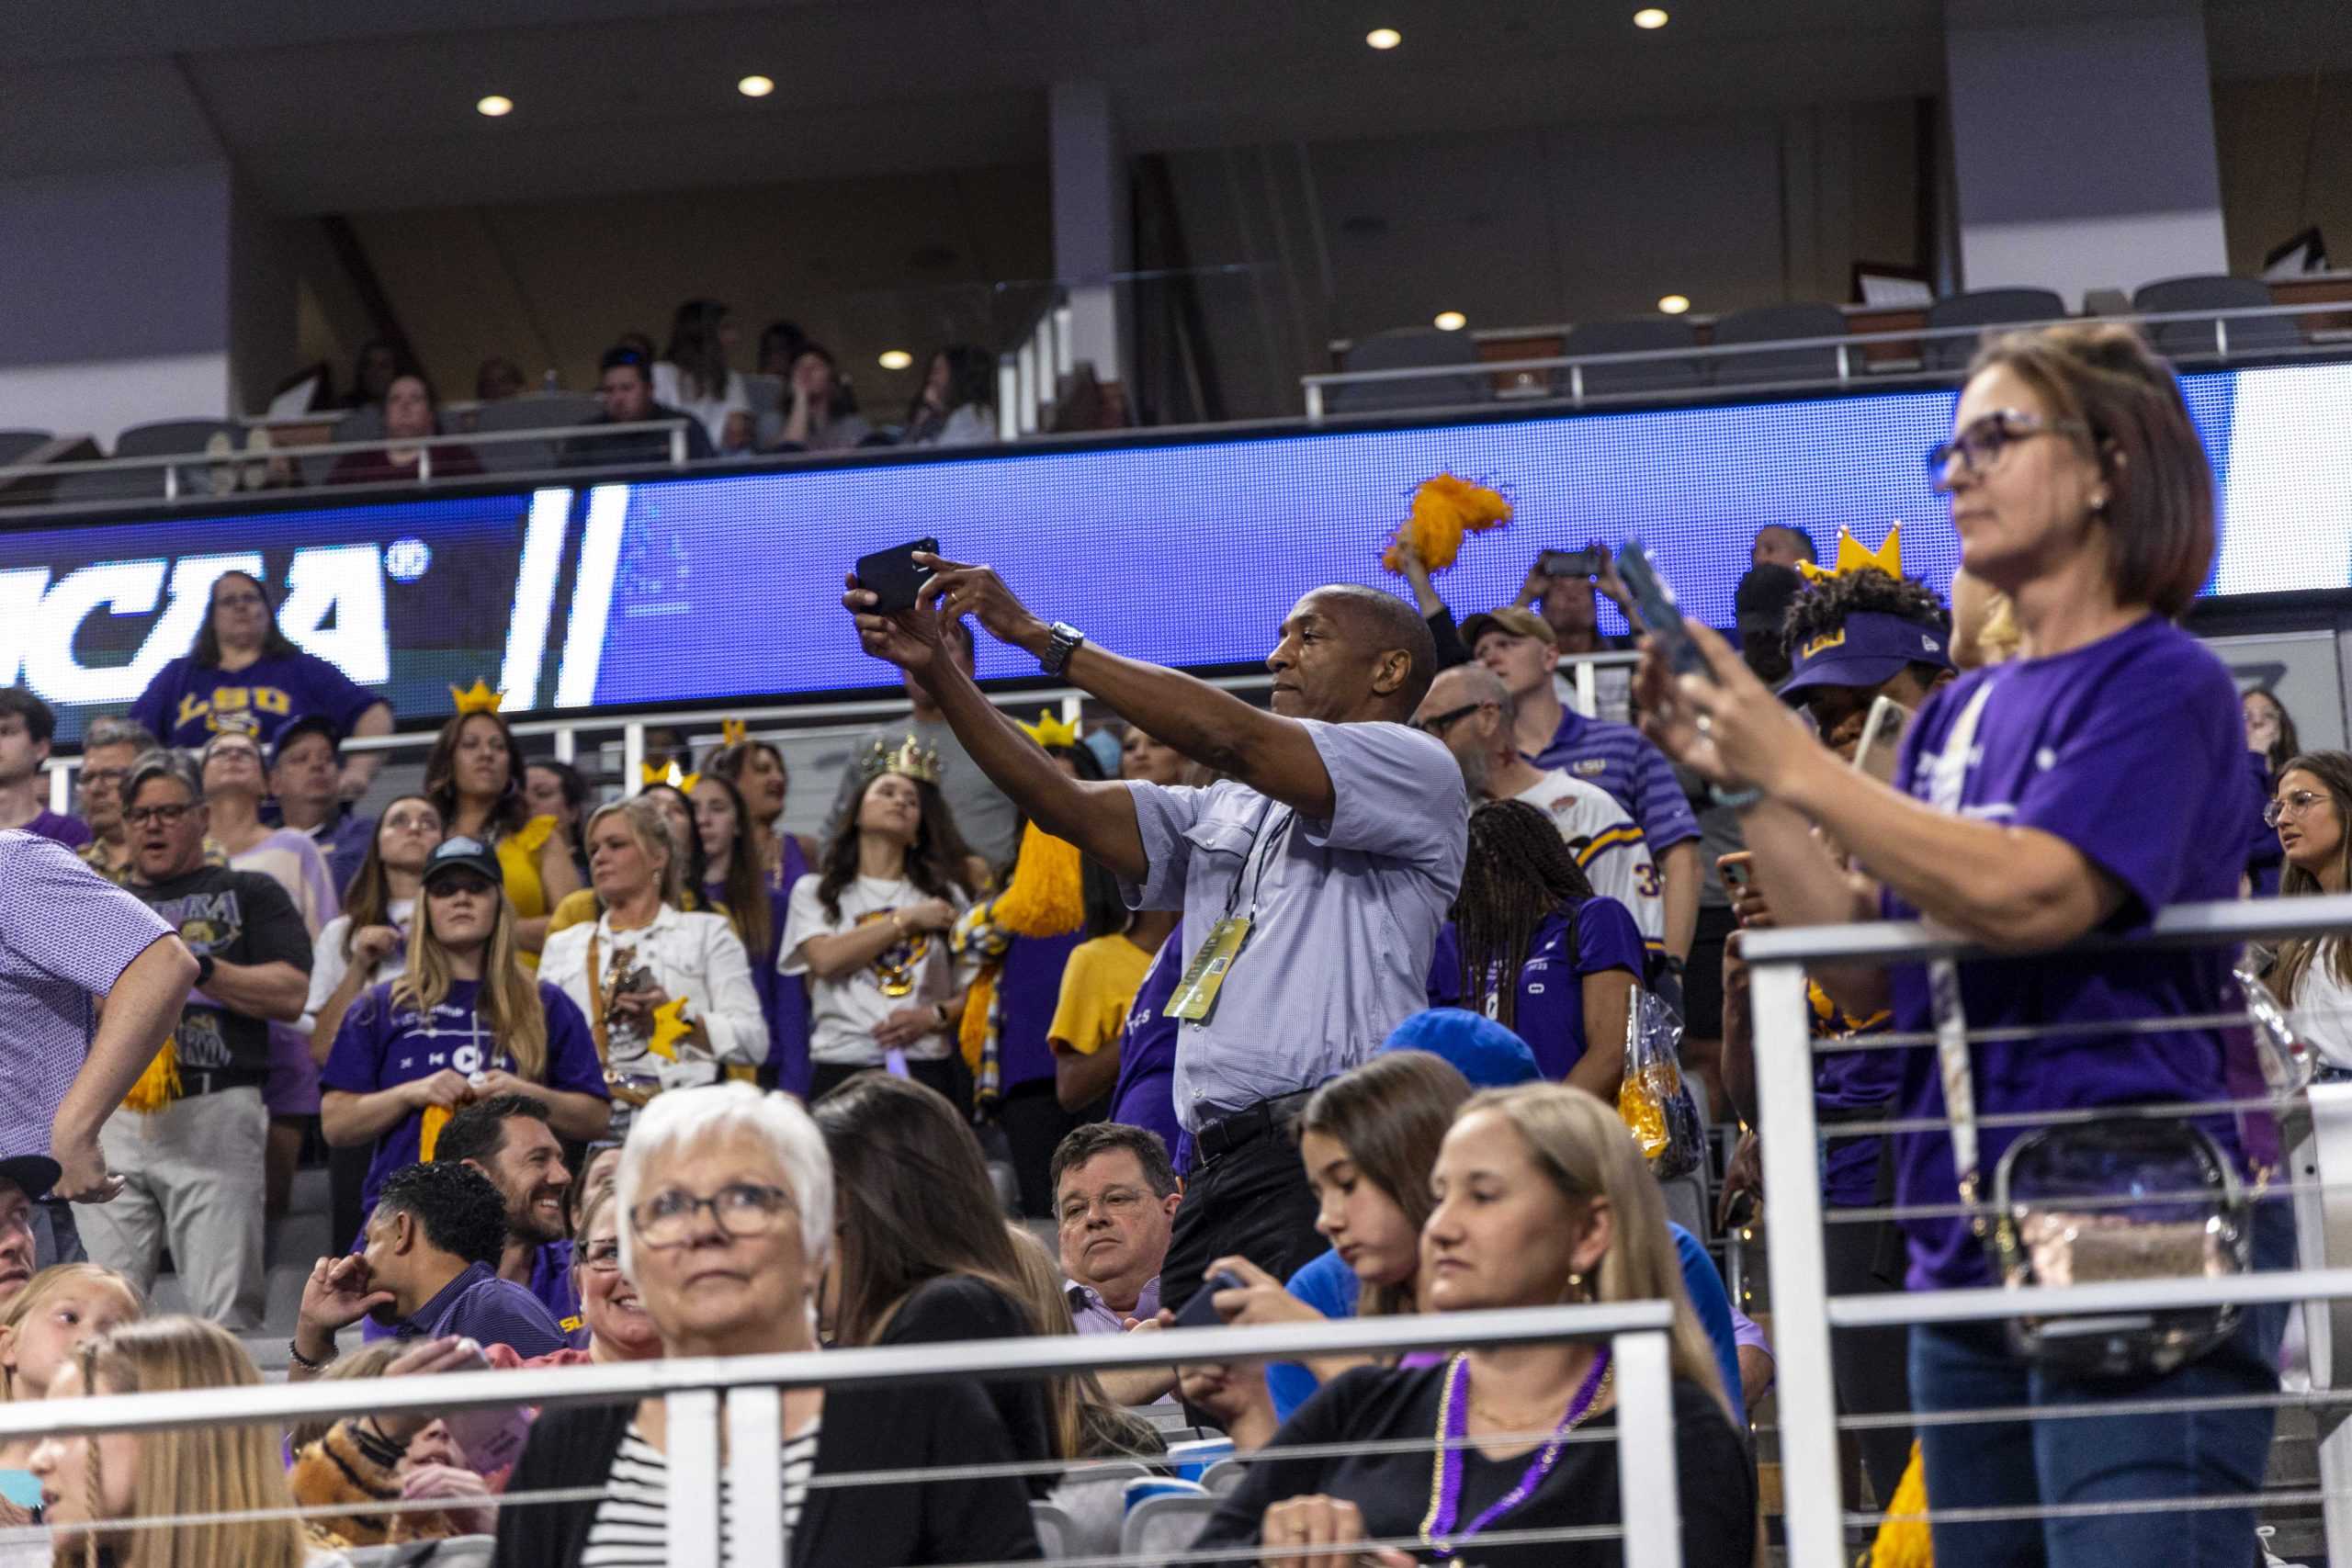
305	778
625	383
2312	815
1540	1197
2270	743
957	406
1532	946
610	1308
427	1269
925	1256
780	344
556	789
820	411
693	376
463	1021
508	1138
1116	1197
373	370
870	931
99	1493
474	774
24	1181
648	972
1521	650
41	1328
729	1212
245	674
191	1139
390	1456
411	415
1470	709
1088	1424
26	727
109	746
497	378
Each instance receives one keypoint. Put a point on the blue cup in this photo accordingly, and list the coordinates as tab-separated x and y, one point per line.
1191	1461
1144	1489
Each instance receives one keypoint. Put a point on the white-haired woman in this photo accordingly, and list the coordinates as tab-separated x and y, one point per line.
644	954
725	1197
1541	1198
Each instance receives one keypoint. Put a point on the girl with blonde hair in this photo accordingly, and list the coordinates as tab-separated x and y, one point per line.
41	1328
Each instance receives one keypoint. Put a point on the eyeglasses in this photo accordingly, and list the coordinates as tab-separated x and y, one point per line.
111	776
1447	720
2293	805
1117	1202
742	1209
1980	445
164	815
600	1257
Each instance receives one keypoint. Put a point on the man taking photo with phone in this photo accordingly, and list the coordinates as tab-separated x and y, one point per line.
1313	878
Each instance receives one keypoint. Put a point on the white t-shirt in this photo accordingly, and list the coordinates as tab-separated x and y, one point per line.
2322	1006
328	966
1607	843
843	1012
669	389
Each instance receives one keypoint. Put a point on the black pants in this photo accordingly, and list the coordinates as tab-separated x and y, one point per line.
1870	1367
948	1075
1252	1201
1035	1125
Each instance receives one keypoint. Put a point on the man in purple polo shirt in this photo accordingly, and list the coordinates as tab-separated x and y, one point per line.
1519	647
1312	879
26	727
428	1271
508	1138
67	936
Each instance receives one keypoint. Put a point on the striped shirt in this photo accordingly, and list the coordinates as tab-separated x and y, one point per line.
1610	850
631	1525
1616	758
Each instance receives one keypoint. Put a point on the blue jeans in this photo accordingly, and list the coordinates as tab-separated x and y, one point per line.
2108	1459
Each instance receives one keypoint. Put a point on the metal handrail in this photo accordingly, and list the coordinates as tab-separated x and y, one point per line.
1804	1311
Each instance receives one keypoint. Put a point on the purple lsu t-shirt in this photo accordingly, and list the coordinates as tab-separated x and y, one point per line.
1550	1015
1146	1093
187	705
382	1045
2131	750
1027	989
1864	1083
71	831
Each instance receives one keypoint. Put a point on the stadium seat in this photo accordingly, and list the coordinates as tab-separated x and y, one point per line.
1640	334
2211	336
363	423
553	410
1224	1477
1413	348
1053	1528
16	444
170	436
765	394
1161	1530
1985	307
1778	324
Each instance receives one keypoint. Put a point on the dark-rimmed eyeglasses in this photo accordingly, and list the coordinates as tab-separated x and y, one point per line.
742	1209
166	816
2293	804
1980	446
601	1257
1440	723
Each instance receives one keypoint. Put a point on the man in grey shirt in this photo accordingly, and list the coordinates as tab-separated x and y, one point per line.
1328	857
983	816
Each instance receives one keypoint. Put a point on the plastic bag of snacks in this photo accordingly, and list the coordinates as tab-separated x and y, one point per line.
1652	1099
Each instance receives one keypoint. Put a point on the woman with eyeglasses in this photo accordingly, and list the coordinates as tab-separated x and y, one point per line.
2079	787
2312	813
725	1216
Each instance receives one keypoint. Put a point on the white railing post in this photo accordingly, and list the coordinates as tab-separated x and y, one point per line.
1314	402
754	1478
632	758
1588	690
425	464
567	744
1810	1496
61	786
690	1448
678	445
1645	1470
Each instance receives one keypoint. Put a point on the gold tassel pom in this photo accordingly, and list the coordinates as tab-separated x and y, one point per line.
159	1085
972	1034
1906	1543
1445	510
428	1132
1047	893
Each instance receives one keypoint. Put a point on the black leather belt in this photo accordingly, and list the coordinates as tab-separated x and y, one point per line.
1228	1134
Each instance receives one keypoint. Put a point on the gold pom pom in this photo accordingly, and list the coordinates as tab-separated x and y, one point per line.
1445	509
1904	1540
159	1085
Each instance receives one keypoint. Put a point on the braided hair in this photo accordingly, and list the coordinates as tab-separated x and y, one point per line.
1519	872
1824	606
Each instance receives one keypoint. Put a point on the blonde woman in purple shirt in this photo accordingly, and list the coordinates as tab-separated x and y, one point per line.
2096	778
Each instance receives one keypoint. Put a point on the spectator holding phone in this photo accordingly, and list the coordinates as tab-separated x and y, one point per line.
1334	847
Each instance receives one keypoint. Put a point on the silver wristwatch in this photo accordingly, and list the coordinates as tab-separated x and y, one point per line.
1066	639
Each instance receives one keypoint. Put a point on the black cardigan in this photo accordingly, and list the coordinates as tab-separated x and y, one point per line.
958	1308
891	1426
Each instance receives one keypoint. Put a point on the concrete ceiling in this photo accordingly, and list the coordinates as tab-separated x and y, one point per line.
328	108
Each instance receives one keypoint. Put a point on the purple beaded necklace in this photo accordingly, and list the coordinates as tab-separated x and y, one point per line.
1453	1425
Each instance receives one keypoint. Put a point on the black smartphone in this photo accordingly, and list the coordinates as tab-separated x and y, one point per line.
1201	1311
1661	617
1572	563
893	577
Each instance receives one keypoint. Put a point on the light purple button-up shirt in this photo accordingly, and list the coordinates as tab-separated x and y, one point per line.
66	935
1087	1310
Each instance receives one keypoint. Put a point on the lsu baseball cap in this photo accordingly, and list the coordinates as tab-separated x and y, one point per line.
299	726
464	855
1512	620
1870	648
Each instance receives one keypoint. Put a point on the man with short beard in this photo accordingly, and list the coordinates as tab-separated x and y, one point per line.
508	1138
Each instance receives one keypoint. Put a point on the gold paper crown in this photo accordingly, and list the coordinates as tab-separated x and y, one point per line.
1852	558
667	773
479	699
1049	730
907	760
733	732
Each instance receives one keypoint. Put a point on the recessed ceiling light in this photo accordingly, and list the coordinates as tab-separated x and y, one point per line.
1649	17
896	360
1673	304
756	87
1384	37
1450	322
495	105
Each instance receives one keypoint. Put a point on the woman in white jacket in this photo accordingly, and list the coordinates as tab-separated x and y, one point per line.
668	994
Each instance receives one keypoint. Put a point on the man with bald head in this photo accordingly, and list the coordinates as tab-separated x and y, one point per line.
1313	877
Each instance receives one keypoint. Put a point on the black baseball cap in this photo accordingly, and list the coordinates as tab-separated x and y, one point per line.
465	854
35	1173
299	726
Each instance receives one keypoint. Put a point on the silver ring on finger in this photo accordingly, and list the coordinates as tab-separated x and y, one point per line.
1704	724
